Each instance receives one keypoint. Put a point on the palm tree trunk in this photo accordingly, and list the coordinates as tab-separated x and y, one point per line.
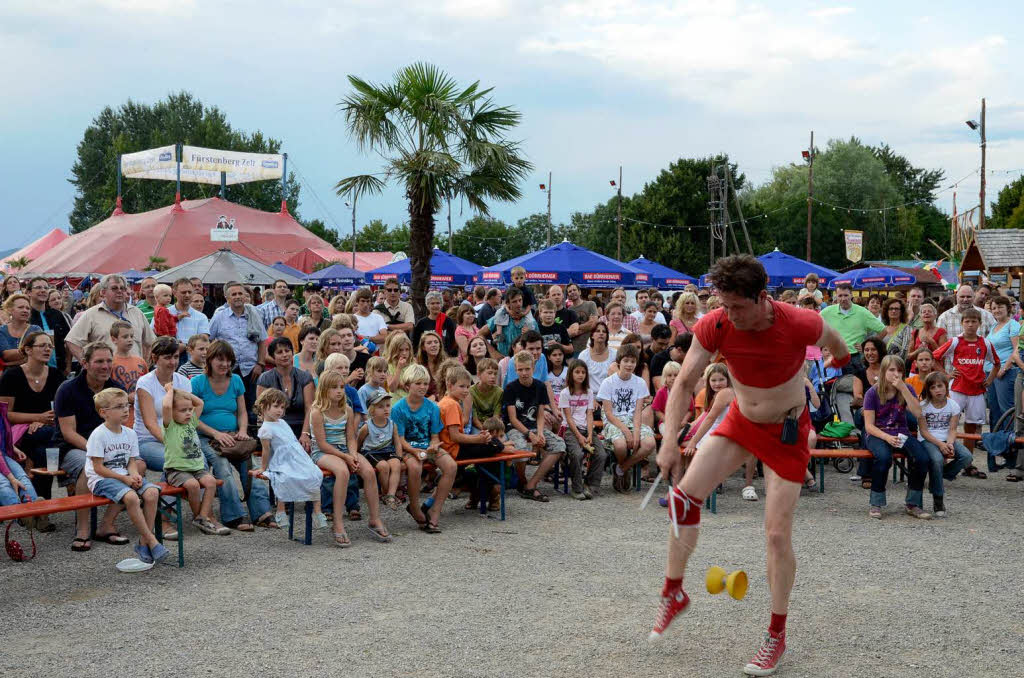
421	242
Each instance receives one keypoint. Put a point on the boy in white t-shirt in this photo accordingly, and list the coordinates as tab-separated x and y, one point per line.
623	396
577	404
114	470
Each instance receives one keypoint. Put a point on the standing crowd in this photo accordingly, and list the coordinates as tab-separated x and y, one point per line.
354	400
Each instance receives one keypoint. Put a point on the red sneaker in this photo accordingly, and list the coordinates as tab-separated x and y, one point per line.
767	658
672	605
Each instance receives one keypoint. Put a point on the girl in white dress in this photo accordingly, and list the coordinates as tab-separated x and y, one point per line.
292	474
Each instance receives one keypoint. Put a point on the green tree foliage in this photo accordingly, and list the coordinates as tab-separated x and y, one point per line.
373	237
1008	209
439	142
318	228
136	127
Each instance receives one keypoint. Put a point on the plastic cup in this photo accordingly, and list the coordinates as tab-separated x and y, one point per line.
52	459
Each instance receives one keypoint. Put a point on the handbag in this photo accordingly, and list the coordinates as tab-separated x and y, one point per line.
14	550
240	451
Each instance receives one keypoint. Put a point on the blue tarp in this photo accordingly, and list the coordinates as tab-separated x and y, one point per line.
336	274
787	271
285	268
873	277
445	269
662	277
565	263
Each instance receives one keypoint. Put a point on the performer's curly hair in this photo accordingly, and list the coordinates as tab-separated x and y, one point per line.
739	274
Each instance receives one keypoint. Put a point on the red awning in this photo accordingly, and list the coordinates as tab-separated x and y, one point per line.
365	261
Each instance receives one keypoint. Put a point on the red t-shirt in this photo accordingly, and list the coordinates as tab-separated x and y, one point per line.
969	357
764	358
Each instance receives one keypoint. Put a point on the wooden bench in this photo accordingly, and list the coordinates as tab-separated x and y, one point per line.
499	459
92	502
976	437
823	455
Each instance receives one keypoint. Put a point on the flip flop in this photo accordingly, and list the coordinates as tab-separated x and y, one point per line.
420	523
379	533
114	538
431	528
80	544
342	541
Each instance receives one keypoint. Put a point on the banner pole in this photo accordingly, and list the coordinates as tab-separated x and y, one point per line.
117	203
223	185
284	184
177	190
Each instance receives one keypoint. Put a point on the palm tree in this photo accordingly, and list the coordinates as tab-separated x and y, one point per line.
439	142
157	264
18	264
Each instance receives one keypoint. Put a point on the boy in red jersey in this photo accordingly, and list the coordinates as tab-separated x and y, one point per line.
967	357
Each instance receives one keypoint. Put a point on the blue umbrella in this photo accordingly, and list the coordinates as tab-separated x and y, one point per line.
567	263
785	270
872	277
285	268
662	277
445	269
335	274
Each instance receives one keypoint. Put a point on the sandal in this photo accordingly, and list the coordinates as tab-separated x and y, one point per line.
391	501
354	514
114	539
533	495
810	484
239	524
342	540
80	544
973	472
1014	479
419	523
431	528
266	520
866	483
380	533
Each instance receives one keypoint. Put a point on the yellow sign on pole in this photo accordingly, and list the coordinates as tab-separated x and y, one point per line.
854	245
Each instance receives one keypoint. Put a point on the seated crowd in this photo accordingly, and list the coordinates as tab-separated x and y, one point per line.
357	396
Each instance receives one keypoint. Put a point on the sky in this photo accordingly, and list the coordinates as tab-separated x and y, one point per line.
599	83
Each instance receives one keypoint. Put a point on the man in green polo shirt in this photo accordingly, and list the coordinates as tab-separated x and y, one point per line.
148	298
854	323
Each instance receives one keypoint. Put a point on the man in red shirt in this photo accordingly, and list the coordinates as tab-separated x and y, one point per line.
764	344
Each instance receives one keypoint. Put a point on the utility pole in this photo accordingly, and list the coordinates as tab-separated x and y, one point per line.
981	195
549	209
353	230
450	226
739	207
810	193
618	247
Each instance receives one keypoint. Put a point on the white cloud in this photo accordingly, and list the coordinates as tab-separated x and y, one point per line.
830	12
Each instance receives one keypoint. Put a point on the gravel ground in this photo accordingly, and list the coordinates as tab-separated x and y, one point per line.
559	589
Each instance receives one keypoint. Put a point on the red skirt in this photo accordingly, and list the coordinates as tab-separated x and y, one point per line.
762	441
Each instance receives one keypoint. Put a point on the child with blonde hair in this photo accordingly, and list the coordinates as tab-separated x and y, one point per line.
165	323
335	449
293	476
418	421
398	354
378	442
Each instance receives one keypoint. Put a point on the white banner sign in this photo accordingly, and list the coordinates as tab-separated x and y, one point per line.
155	161
202	165
240	167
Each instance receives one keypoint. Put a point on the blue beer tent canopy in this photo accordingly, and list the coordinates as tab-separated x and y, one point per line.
787	271
285	268
133	276
873	277
445	269
335	274
662	277
566	263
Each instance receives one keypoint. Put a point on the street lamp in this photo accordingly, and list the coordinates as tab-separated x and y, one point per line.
547	187
352	206
618	220
979	127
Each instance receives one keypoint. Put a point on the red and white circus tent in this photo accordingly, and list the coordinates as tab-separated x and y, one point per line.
36	249
178	234
308	259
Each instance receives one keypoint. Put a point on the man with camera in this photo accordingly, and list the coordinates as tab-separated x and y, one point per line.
241	325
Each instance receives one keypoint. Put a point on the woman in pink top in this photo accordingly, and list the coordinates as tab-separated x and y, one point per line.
684	317
465	329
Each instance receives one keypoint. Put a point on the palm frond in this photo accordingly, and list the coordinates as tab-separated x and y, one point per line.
359	185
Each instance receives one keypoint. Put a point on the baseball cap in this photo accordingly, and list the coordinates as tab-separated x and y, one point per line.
377	396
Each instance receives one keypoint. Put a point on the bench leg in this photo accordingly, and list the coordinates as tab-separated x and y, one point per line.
309	523
290	508
181	531
821	476
501	492
92	523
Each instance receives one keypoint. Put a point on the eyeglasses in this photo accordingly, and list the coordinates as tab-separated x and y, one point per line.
390	289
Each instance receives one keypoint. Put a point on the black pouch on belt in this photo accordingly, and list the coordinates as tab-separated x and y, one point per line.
790	428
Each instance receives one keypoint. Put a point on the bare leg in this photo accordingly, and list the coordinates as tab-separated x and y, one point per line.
369	477
192	493
209	485
712	463
780	504
339	468
395	466
448	468
547	463
414	479
751	470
